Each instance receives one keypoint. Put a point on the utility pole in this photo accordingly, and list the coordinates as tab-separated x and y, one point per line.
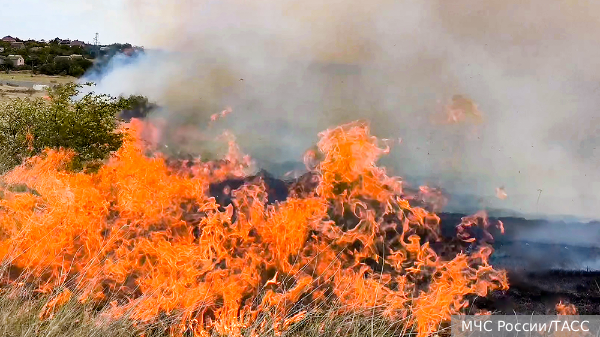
96	50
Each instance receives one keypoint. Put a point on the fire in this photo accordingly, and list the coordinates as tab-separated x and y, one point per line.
29	138
564	309
223	114
149	239
58	301
462	108
501	193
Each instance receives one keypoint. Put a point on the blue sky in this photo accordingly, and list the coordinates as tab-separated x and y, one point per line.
69	19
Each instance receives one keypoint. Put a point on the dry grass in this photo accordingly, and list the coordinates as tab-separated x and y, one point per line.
21	310
37	79
13	85
20	317
11	92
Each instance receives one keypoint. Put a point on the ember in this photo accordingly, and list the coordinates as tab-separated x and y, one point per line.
208	244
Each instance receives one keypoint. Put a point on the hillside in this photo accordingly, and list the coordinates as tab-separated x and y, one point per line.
55	57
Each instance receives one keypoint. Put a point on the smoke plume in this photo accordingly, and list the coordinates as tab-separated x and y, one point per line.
290	68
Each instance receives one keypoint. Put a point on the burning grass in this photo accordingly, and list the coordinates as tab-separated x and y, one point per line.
19	316
144	240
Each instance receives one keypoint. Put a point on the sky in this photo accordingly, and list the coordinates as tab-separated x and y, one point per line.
68	19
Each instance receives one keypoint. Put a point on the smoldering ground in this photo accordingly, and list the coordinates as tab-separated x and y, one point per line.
289	69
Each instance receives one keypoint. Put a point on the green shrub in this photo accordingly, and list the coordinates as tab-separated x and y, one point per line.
87	125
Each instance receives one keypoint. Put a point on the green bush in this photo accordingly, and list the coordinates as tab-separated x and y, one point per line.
87	125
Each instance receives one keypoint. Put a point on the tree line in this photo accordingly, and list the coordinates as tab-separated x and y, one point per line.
41	57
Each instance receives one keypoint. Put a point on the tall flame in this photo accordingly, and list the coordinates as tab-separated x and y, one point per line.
150	239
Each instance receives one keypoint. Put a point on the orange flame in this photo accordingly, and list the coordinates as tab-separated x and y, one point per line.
462	108
501	193
54	304
151	238
29	138
565	309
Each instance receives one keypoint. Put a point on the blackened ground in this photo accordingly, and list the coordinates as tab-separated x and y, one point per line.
539	292
277	190
542	270
539	245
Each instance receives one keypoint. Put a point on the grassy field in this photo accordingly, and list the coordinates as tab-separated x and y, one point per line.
19	84
10	92
37	79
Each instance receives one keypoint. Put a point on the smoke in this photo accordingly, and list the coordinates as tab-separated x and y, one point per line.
291	68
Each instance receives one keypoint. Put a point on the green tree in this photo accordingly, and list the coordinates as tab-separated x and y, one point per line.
48	69
87	125
7	66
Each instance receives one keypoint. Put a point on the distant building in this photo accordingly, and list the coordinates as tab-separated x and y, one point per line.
76	57
17	45
65	42
9	39
77	43
16	60
62	58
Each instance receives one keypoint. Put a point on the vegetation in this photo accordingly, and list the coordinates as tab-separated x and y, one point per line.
86	125
41	57
45	57
27	76
20	317
76	67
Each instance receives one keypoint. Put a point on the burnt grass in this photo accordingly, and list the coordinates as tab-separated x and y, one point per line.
539	292
540	274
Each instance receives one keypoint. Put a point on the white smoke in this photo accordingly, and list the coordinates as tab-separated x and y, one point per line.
291	68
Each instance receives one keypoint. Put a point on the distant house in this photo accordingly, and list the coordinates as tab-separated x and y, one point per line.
17	45
16	60
9	39
76	57
77	43
65	42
